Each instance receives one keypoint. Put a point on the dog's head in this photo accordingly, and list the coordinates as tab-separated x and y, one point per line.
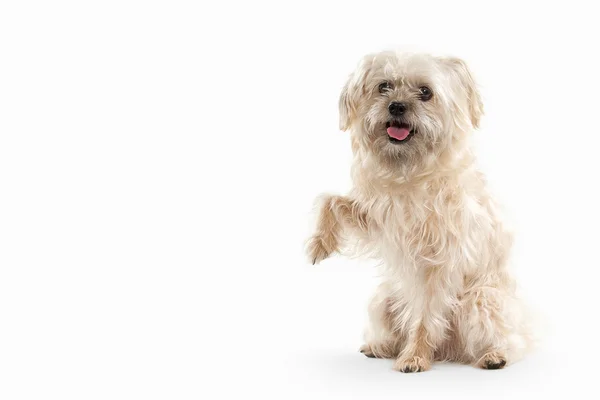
404	107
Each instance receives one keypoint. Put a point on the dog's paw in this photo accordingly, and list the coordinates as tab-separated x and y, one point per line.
317	250
379	350
412	364
367	351
492	360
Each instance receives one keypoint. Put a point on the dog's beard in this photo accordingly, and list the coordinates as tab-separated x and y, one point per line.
405	140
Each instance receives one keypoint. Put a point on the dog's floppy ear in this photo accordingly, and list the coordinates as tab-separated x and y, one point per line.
352	91
465	77
347	106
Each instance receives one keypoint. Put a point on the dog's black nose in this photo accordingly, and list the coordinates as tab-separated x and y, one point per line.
397	108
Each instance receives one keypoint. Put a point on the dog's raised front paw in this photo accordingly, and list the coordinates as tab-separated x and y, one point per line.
317	250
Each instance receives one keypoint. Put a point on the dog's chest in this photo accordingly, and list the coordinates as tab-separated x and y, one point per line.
430	226
418	215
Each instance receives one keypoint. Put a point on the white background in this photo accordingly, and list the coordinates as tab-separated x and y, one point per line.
158	163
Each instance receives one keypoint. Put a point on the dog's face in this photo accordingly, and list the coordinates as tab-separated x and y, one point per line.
404	107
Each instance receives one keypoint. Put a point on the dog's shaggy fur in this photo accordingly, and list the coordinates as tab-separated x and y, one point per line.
422	208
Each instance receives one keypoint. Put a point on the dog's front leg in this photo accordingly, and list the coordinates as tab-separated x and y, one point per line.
417	354
337	215
429	298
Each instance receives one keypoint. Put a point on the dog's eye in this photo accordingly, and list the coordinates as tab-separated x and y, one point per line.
384	87
425	93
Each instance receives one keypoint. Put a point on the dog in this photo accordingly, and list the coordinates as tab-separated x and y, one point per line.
420	206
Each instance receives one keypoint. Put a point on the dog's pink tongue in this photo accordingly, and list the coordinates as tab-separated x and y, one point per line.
398	133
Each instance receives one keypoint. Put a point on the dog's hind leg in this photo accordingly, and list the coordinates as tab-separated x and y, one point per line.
382	341
484	327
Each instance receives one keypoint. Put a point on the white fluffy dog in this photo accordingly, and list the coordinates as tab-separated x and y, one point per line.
420	205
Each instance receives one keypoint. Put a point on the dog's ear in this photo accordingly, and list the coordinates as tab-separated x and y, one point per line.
347	105
352	91
466	80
